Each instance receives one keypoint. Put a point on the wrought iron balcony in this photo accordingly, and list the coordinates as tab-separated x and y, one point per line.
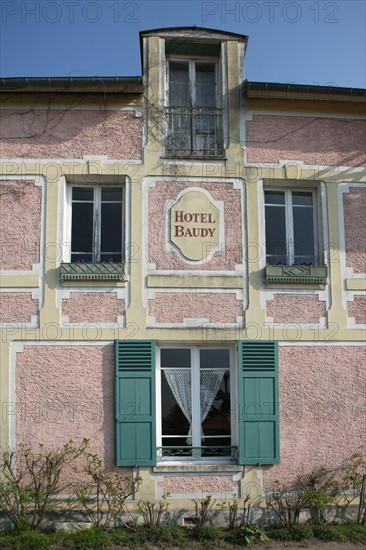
197	453
194	132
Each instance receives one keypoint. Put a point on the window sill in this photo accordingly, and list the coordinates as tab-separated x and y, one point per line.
295	275
92	272
190	467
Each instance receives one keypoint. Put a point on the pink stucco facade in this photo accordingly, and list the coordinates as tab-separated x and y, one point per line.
17	307
198	484
354	207
93	307
174	307
357	309
70	134
322	408
66	392
296	308
231	250
319	141
20	224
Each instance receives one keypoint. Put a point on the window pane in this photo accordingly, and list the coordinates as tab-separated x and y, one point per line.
82	227
178	84
274	197
112	194
275	234
111	228
303	235
215	394
82	193
215	358
174	421
176	358
205	85
304	199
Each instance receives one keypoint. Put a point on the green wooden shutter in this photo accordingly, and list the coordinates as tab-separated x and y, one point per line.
258	402
135	441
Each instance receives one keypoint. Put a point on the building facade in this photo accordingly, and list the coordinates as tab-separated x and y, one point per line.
183	269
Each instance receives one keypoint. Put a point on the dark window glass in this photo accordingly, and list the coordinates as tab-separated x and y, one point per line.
179	94
111	228
274	197
82	193
205	85
111	194
303	235
180	358
82	227
303	199
276	235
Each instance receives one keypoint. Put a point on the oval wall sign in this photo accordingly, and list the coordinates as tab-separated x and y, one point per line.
195	225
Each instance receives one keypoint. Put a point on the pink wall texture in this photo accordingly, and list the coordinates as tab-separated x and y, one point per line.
20	224
322	408
354	204
93	307
198	484
357	309
66	392
174	307
232	249
296	308
70	134
17	307
319	141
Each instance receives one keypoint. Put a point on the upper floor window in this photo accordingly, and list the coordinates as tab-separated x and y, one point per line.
97	224
194	116
291	228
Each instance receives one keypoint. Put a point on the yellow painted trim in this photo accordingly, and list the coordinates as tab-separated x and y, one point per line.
356	284
19	281
194	281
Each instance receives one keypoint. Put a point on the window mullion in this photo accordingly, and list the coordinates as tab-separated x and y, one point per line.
196	398
290	245
97	224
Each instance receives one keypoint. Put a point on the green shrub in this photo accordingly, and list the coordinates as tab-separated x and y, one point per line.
295	533
247	536
330	533
88	539
28	540
162	533
209	532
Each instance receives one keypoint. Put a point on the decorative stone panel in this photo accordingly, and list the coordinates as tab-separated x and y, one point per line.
230	252
354	207
74	134
214	485
175	307
357	309
20	224
322	408
17	307
66	392
93	307
314	141
296	308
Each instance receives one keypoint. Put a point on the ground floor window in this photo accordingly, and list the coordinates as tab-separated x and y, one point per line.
195	403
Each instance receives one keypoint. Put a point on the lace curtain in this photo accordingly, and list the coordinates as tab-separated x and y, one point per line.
179	381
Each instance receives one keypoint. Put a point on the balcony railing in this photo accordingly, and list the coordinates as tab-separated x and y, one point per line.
194	132
197	453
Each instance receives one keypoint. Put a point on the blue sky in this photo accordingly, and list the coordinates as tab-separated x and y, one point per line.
310	42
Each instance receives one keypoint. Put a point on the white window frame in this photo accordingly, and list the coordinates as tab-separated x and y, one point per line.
196	413
97	188
290	244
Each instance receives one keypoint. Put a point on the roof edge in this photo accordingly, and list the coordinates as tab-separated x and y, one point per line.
292	91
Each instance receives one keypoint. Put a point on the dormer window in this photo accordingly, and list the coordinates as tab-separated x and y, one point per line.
194	114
